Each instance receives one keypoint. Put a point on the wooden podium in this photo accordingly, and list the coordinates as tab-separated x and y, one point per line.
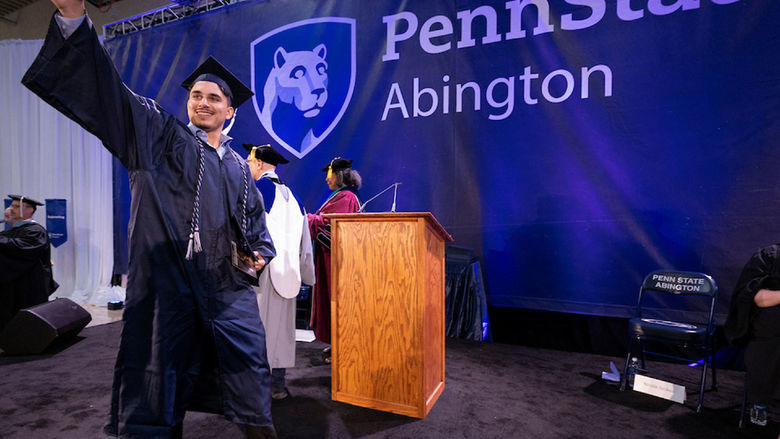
387	310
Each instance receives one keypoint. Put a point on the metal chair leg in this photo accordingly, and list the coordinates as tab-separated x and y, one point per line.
744	404
702	385
624	375
711	346
714	374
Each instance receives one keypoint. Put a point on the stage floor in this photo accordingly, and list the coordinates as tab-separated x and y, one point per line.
101	315
491	391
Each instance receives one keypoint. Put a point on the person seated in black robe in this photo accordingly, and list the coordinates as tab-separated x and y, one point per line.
25	257
754	322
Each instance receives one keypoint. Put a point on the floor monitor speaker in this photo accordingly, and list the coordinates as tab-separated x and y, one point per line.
34	329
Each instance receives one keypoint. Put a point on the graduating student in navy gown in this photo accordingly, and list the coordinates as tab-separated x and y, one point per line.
25	261
280	282
344	182
192	336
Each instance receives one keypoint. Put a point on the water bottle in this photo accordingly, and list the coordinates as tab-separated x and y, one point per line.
633	369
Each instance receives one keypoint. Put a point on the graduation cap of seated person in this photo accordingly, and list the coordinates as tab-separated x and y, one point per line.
23	199
211	70
265	153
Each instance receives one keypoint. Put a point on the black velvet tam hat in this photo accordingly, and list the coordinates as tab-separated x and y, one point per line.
211	70
265	153
338	164
25	200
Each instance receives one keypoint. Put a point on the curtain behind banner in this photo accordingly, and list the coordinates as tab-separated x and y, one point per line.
44	155
575	148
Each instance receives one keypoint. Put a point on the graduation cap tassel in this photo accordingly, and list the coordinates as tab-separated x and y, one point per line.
230	125
188	256
193	244
196	241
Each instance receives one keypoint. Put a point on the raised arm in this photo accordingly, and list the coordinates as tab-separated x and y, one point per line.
70	8
75	75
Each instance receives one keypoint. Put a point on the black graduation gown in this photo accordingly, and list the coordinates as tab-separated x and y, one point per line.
758	329
25	269
192	334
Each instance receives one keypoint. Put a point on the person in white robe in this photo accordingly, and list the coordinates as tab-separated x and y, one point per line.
281	281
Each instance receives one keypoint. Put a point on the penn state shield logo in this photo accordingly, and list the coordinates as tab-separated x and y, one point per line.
303	75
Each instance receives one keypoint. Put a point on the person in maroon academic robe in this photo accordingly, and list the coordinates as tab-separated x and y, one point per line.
344	182
25	261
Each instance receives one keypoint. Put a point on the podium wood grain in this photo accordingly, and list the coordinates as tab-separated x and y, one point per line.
387	309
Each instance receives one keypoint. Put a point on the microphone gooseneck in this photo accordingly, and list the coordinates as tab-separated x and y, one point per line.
363	206
395	192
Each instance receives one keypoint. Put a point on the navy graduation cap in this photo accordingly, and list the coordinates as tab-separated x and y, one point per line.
211	70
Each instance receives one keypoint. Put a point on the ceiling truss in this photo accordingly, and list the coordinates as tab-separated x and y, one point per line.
163	15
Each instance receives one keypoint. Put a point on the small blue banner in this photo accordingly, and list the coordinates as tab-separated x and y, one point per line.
6	205
56	221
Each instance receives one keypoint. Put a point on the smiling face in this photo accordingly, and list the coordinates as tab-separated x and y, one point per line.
207	107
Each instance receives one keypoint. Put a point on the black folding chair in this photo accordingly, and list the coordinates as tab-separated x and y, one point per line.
685	335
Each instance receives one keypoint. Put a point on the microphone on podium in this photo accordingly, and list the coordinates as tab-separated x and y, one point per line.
394	185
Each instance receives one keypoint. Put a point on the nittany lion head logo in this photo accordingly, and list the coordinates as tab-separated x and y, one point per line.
306	71
298	78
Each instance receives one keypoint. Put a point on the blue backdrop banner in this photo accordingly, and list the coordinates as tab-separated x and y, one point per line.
576	145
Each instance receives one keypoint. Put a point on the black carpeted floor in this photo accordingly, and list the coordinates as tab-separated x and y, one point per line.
492	391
